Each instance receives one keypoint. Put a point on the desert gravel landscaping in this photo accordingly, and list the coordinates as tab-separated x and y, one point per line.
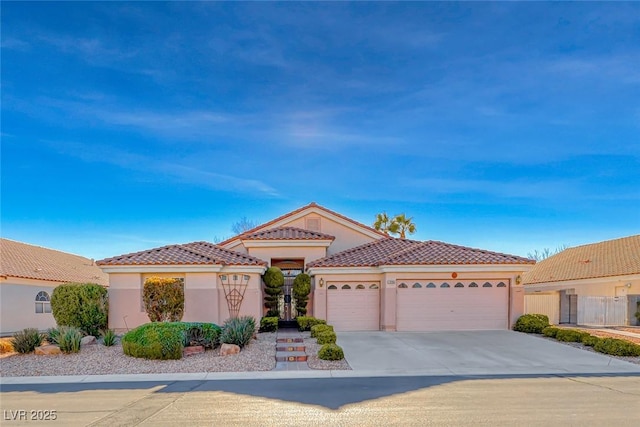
97	359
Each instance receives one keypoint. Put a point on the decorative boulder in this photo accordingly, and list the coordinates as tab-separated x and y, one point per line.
227	349
88	340
48	349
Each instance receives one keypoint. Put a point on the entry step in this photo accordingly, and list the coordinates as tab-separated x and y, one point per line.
290	348
289	340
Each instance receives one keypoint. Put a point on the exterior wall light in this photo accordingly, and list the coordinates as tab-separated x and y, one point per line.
321	282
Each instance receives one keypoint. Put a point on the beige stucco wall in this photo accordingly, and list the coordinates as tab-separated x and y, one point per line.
345	237
17	305
603	287
204	298
289	252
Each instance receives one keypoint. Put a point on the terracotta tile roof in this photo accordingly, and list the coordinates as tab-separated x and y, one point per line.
287	233
196	253
35	262
610	258
410	252
292	213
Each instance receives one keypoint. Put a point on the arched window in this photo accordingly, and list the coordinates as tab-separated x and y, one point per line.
459	285
332	287
416	285
346	287
445	285
431	285
473	285
487	285
360	287
374	286
501	285
403	285
43	302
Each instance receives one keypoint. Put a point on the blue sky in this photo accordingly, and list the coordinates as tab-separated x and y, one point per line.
506	126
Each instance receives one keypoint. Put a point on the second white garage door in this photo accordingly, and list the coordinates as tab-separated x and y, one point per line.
450	306
353	306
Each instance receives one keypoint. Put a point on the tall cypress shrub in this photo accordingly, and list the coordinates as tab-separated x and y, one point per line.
82	305
301	291
273	282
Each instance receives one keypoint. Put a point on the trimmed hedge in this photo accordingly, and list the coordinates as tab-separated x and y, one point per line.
550	331
306	322
163	299
531	323
571	335
273	281
327	337
269	324
617	347
317	329
590	341
301	291
156	340
82	305
331	352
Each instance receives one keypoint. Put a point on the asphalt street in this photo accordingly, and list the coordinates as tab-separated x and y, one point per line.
528	400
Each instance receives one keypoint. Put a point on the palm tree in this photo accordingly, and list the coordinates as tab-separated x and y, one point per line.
403	225
385	224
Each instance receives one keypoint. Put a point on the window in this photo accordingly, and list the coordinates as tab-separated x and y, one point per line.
332	287
416	285
346	287
360	287
403	285
473	285
459	285
487	285
445	285
43	302
501	285
431	285
373	286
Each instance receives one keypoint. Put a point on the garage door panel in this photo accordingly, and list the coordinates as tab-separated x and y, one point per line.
465	308
353	309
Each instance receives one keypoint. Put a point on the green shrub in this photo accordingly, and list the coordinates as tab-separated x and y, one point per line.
69	339
27	340
238	330
590	340
82	305
306	322
331	352
53	335
108	337
268	324
301	291
156	340
327	337
617	347
550	331
273	281
204	334
571	335
317	329
531	323
163	299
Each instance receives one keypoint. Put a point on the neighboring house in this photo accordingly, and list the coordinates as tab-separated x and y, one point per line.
28	276
362	279
596	284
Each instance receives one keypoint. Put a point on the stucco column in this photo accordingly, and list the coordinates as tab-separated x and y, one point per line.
388	303
516	300
319	300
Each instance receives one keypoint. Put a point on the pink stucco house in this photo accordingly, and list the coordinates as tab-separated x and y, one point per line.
362	279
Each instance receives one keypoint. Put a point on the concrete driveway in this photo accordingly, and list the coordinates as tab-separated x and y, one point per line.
470	353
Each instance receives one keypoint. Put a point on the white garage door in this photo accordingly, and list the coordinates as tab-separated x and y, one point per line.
450	306
353	306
